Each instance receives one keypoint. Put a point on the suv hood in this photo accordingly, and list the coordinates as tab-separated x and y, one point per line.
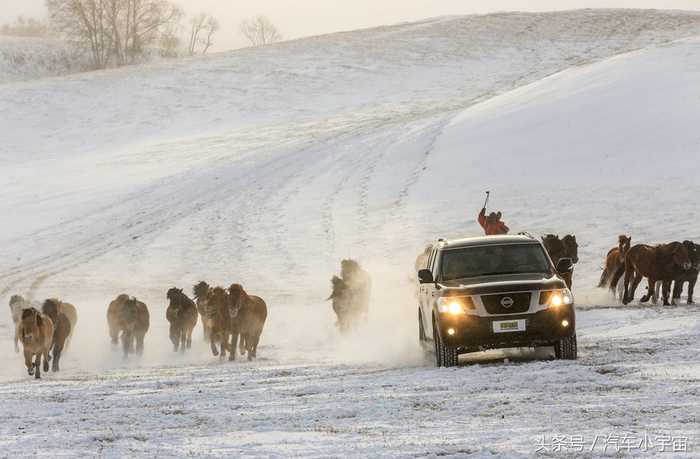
505	283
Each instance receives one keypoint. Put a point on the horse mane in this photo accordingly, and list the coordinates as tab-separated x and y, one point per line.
50	308
17	299
201	289
237	291
29	312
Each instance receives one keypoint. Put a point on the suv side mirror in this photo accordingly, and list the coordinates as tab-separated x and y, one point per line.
565	265
425	276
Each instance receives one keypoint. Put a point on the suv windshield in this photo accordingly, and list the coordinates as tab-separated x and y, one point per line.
493	259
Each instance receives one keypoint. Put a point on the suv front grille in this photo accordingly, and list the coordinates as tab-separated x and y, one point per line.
499	304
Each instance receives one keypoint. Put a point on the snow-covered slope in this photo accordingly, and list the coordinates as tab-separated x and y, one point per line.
268	166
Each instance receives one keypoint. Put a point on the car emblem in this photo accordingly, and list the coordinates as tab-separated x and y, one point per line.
507	302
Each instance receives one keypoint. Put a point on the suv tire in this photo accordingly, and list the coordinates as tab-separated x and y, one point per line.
421	331
445	356
566	348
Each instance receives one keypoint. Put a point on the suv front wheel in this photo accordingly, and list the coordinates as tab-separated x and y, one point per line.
566	349
445	356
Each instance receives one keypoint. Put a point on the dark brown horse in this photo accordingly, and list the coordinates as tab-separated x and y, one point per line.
130	317
218	302
61	329
35	331
351	295
341	296
557	248
248	314
71	313
182	315
656	263
201	294
690	276
615	263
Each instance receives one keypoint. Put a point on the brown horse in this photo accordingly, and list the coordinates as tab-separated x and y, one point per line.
61	329
690	276
248	314
557	248
182	315
71	313
657	263
130	317
218	303
615	263
36	334
17	305
341	296
201	292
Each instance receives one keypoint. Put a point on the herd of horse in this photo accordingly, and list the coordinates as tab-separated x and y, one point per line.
232	321
664	265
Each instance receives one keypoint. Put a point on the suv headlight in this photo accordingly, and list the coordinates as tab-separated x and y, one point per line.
556	298
454	305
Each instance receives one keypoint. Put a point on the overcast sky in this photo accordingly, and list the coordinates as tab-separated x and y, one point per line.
298	18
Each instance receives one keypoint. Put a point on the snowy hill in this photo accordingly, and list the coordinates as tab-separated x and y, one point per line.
268	166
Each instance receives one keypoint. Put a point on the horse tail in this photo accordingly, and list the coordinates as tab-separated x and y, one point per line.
617	275
604	278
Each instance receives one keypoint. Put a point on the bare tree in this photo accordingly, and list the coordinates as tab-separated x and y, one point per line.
137	24
170	43
260	31
119	28
203	28
84	22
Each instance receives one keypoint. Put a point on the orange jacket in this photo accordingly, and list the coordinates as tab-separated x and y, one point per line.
492	226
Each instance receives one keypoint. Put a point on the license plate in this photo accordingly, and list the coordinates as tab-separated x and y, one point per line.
506	326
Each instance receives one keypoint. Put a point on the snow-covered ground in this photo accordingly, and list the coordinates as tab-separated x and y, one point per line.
268	166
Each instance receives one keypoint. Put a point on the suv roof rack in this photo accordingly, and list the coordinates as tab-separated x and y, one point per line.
525	233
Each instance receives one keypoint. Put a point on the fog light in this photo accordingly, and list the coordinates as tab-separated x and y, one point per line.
564	323
451	331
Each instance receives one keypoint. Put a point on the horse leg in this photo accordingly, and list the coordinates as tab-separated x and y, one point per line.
57	350
37	366
243	347
657	288
28	362
635	283
677	291
183	340
47	359
139	343
174	337
691	289
126	343
649	293
629	273
213	345
234	344
189	337
253	350
114	334
666	292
